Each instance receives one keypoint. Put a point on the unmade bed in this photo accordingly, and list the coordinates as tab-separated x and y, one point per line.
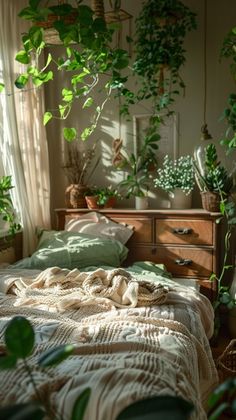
137	332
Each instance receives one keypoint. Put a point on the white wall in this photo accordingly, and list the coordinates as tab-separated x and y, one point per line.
221	18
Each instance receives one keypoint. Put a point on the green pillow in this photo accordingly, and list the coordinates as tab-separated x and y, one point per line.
74	250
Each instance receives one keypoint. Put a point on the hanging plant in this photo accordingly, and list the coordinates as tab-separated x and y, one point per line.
87	55
161	28
229	51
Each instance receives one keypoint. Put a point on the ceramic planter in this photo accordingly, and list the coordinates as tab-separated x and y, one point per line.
179	200
141	203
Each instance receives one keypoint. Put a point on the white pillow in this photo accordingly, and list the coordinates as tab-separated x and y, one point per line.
97	224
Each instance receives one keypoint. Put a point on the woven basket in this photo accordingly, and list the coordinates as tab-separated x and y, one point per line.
226	363
210	201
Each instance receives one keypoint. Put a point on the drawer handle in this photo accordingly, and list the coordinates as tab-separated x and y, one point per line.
182	231
183	261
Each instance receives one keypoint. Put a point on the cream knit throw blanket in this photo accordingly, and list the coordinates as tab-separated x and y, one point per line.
61	289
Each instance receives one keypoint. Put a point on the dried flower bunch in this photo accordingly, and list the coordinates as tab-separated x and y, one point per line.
178	173
80	165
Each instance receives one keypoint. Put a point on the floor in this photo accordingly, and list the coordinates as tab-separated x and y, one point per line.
218	348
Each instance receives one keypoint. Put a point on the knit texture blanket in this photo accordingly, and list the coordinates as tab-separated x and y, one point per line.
61	289
133	341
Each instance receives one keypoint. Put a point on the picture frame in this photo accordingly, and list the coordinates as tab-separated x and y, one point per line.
168	144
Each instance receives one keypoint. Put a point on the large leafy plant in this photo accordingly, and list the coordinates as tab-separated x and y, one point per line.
138	167
88	58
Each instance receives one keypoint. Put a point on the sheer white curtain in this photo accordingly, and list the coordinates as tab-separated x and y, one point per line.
22	135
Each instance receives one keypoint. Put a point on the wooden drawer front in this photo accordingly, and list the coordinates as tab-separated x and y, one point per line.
178	231
178	261
142	229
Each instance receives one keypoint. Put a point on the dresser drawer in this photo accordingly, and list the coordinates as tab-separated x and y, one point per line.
179	231
143	228
179	261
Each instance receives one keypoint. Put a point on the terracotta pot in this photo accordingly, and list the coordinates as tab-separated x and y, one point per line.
91	201
75	196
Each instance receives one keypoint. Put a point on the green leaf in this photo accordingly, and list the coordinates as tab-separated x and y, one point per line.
34	3
88	103
67	95
80	405
47	117
42	78
87	132
23	57
2	87
36	36
21	81
49	59
56	355
26	411
70	134
62	110
29	13
99	25
8	361
216	415
19	337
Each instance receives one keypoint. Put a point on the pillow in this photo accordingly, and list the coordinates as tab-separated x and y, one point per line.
74	250
99	225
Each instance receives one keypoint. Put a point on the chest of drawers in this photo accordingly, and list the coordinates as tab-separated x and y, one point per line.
187	242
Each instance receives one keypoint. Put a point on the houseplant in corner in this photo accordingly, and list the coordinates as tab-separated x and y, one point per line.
176	177
7	211
212	178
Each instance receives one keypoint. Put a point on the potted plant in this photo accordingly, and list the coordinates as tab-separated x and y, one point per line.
87	57
161	28
212	178
101	197
79	167
176	177
6	207
138	169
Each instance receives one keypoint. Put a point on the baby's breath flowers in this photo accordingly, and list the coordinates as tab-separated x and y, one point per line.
178	173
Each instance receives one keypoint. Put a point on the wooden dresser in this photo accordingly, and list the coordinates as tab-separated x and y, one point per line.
186	241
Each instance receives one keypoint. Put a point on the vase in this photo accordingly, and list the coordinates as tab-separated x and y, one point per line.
75	196
179	200
141	203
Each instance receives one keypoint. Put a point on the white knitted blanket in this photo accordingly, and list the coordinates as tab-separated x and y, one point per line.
127	346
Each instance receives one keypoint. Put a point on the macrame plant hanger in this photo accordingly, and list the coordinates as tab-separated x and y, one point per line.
205	134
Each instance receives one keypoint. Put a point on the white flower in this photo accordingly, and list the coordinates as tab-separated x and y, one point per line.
178	173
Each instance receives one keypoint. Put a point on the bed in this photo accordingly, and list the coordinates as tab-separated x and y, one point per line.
137	332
